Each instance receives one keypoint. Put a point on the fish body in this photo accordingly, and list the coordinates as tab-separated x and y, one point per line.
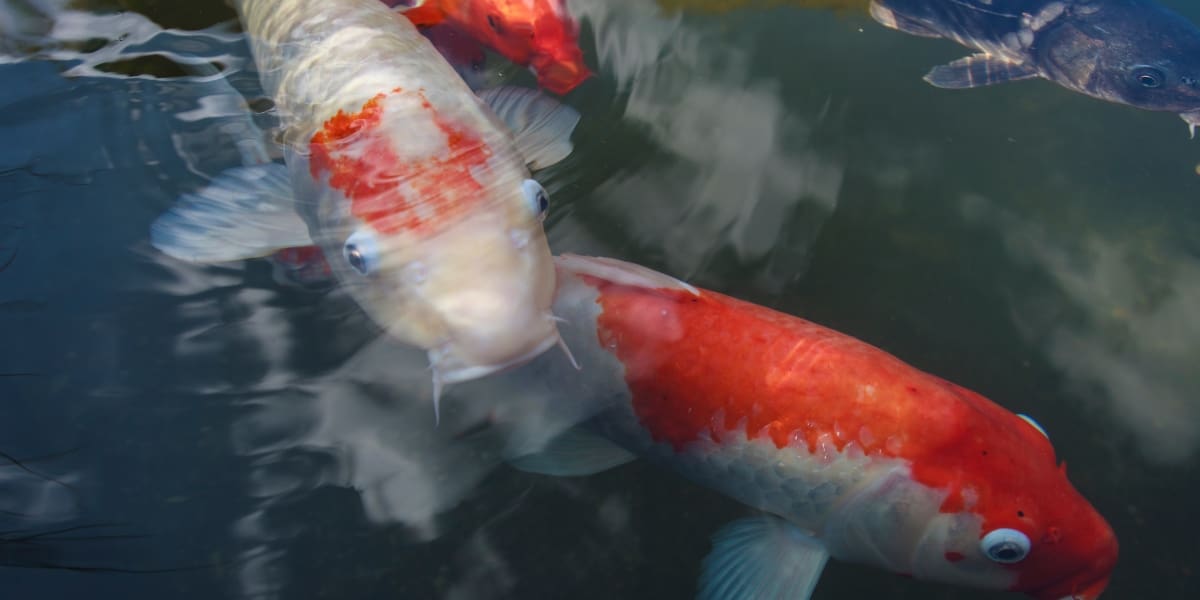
400	174
539	34
850	452
1133	52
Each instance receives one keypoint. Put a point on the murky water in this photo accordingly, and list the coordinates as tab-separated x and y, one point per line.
1026	242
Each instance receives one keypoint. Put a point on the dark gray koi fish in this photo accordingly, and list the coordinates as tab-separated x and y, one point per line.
1132	52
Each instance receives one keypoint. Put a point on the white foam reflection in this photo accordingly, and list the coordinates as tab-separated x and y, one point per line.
742	161
24	24
39	508
45	30
487	574
369	425
1119	321
33	498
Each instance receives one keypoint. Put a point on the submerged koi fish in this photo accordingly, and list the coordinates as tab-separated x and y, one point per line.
846	450
539	34
1133	52
412	186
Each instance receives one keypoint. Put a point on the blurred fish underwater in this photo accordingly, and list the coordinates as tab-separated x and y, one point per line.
249	418
539	34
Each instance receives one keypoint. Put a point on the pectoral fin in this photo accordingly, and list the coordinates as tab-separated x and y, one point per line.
978	70
574	453
761	558
541	125
245	212
421	12
893	20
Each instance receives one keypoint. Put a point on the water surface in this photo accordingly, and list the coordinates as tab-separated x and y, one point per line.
1032	244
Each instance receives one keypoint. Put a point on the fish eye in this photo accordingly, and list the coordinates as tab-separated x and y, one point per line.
1029	419
1148	77
535	196
1005	546
361	251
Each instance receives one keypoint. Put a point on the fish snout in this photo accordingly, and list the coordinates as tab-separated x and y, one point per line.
560	74
487	334
488	292
1090	591
1088	582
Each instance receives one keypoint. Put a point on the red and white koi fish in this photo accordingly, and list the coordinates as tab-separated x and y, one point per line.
413	186
538	34
847	451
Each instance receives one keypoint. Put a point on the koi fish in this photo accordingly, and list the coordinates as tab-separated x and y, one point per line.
847	451
412	186
1132	52
539	34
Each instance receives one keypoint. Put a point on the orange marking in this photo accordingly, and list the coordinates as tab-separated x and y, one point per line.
390	194
709	364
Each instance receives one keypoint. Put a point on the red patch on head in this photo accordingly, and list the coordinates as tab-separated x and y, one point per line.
954	556
393	194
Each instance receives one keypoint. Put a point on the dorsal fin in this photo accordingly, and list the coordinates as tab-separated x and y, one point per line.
621	272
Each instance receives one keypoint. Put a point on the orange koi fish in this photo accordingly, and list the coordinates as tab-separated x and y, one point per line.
847	451
539	34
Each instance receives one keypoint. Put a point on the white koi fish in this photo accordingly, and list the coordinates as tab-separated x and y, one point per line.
415	188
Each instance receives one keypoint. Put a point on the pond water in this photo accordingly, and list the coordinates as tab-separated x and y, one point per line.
217	434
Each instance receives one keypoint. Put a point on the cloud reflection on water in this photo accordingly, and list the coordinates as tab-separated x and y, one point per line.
1118	320
366	424
739	160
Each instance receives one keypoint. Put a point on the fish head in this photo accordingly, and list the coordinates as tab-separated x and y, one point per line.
1017	519
430	220
976	499
476	296
535	33
1144	55
491	293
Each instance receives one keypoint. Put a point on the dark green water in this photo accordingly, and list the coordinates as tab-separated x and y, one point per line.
1035	245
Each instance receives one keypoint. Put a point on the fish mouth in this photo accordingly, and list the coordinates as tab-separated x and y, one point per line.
1091	592
448	368
1192	118
560	77
1080	588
